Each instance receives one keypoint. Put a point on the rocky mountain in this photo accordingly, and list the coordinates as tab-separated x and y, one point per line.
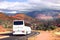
47	12
3	17
7	21
38	14
43	17
22	16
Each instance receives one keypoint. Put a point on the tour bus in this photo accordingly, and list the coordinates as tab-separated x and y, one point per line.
20	28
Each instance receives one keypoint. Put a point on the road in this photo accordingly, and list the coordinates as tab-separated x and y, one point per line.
20	37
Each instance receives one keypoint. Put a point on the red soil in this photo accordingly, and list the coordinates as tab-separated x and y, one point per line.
2	29
44	36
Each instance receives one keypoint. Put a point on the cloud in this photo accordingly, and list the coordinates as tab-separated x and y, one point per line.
51	4
16	5
1	11
14	12
30	5
53	1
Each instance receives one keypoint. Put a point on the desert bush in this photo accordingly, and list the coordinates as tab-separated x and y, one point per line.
52	27
6	24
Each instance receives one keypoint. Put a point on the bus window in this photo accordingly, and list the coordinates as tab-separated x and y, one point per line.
18	22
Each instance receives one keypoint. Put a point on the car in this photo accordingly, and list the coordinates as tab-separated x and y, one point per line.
28	30
20	28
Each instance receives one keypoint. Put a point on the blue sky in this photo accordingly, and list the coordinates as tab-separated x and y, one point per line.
16	0
29	5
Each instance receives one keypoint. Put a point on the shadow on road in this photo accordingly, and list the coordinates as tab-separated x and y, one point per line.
10	34
14	37
19	37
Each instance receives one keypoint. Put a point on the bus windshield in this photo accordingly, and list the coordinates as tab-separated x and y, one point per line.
18	22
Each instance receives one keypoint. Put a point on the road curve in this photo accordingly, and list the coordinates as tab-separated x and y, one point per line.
19	37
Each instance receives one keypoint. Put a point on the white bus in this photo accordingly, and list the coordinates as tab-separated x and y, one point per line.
20	28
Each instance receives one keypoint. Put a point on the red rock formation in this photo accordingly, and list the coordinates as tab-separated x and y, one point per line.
44	17
2	29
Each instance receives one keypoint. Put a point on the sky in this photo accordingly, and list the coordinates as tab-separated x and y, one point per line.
29	5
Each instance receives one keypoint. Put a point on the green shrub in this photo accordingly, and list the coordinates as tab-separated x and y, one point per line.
46	28
52	27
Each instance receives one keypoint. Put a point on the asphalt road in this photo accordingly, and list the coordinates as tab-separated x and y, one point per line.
20	37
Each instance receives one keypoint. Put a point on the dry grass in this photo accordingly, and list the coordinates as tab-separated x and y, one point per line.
56	34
